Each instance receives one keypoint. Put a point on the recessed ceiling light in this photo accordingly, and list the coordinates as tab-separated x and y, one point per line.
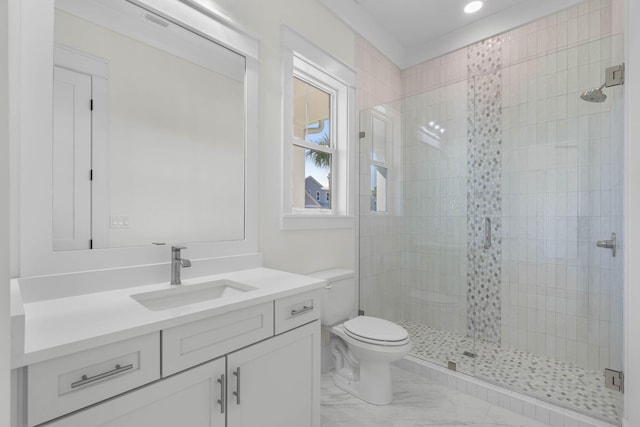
473	7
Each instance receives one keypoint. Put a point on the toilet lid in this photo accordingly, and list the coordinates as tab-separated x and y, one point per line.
375	329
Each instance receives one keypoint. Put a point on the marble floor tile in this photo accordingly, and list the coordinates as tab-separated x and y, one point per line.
417	403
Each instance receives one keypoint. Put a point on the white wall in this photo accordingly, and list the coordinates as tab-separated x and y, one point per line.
296	251
4	216
632	217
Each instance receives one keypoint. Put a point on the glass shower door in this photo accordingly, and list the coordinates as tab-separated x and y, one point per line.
413	221
561	178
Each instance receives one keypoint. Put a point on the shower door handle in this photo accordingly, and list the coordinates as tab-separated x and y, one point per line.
487	233
609	244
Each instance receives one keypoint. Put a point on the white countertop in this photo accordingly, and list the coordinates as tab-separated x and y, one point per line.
57	327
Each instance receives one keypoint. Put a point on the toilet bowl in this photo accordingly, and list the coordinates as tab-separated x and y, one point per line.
363	347
373	356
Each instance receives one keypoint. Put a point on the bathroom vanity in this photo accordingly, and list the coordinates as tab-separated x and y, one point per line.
99	336
142	356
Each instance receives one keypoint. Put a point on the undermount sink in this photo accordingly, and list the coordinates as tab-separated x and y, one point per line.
178	296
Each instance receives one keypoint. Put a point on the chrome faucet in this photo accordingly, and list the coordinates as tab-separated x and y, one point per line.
177	263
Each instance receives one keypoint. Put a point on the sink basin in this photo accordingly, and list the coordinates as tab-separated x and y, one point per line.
181	295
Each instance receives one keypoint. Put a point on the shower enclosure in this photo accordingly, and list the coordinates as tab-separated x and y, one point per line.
481	203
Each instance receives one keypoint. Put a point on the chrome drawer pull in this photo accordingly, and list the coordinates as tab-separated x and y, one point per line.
303	310
223	386
88	380
237	392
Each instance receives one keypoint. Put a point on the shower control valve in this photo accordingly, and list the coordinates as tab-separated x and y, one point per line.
608	244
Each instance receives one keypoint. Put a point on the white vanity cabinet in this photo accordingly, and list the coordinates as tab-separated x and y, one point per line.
256	366
276	383
191	399
65	384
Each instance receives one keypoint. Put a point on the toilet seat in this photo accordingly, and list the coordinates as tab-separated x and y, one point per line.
373	330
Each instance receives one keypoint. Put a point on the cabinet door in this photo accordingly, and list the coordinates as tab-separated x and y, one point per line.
276	383
192	398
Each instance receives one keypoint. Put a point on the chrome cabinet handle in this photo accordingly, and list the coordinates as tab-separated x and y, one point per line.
609	244
300	311
487	233
88	380
237	392
223	387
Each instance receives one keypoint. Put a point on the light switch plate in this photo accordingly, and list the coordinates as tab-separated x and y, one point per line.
119	221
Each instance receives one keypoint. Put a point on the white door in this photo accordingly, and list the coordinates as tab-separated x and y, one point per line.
189	399
72	157
276	382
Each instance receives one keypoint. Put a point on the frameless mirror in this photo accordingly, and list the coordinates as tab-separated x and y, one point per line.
149	130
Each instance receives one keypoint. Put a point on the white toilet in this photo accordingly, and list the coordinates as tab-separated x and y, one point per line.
364	346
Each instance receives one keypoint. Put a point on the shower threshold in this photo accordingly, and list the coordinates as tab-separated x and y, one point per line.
559	383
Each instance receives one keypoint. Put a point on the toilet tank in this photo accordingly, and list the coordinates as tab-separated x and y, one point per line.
339	295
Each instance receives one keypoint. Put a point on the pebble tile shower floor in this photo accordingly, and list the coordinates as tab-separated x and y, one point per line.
560	383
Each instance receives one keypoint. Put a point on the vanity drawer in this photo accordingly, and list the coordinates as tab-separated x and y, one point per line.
59	386
297	310
188	345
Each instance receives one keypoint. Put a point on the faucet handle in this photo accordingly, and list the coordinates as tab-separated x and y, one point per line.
177	248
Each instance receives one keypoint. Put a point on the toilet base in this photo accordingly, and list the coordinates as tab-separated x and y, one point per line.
374	385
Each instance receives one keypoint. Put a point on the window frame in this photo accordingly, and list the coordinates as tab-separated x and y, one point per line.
305	61
314	78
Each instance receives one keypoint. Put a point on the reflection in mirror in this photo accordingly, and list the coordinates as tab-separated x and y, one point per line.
380	145
378	170
378	189
149	130
379	140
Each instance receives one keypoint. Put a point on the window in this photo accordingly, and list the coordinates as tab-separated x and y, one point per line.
313	147
379	165
318	119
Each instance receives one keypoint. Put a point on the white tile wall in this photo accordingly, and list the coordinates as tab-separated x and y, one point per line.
558	200
378	80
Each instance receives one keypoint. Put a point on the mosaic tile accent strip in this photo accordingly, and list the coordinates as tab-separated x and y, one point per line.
559	383
484	190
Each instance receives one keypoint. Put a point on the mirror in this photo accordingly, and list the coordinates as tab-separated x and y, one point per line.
148	130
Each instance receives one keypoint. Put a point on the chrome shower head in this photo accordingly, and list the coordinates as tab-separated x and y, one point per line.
594	95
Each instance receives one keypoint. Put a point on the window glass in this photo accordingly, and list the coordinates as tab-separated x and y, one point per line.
311	178
311	113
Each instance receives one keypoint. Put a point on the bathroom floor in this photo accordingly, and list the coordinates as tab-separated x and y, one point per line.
557	382
417	403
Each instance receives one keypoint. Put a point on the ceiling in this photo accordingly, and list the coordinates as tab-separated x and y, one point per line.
412	31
